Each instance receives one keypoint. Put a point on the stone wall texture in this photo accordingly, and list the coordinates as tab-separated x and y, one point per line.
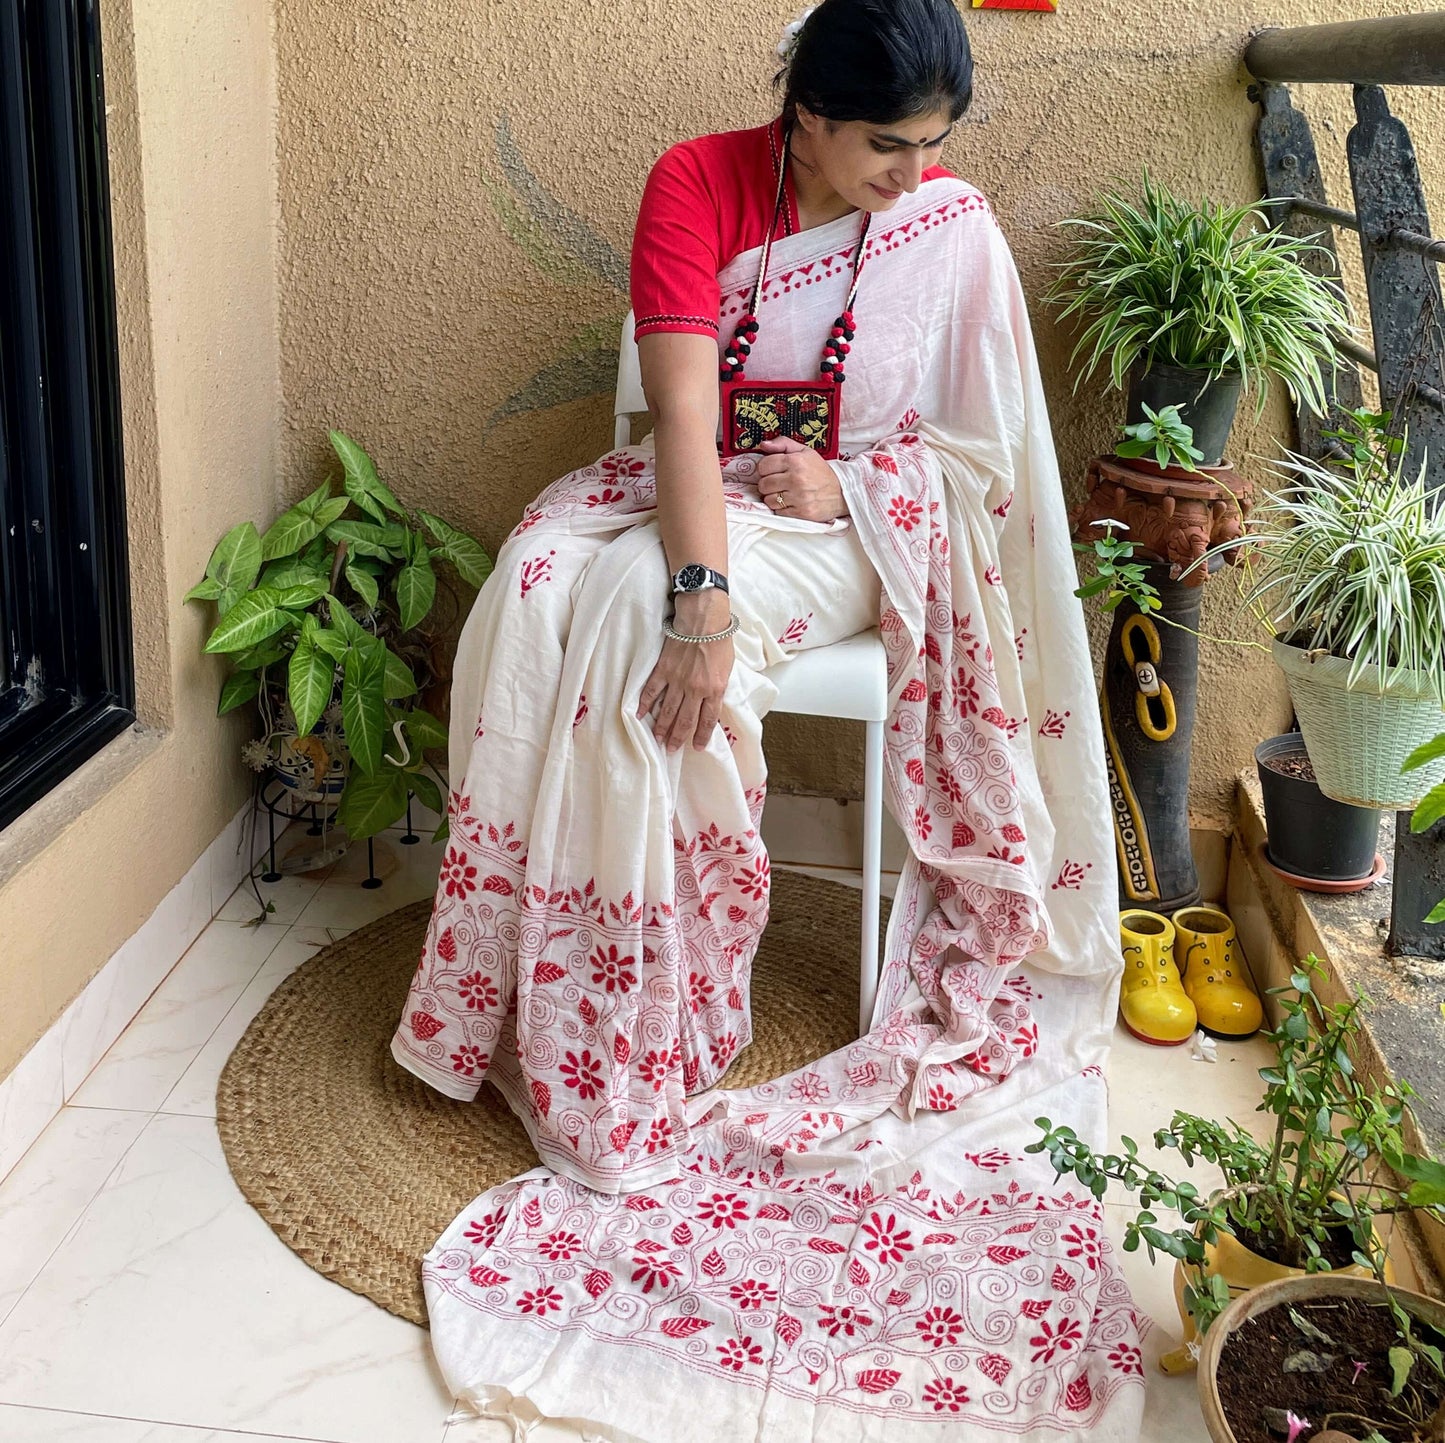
458	186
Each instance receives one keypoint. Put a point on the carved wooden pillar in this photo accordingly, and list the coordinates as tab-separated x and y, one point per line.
1151	664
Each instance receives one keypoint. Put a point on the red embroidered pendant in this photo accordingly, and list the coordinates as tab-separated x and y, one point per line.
754	412
758	411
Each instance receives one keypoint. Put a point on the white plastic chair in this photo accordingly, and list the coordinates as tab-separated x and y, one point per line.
848	679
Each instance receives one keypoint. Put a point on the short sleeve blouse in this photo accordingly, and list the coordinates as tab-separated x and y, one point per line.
705	202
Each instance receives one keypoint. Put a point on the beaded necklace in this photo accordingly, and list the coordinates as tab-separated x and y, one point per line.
805	411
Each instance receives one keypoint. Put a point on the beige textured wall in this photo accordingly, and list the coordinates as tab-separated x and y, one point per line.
191	102
458	185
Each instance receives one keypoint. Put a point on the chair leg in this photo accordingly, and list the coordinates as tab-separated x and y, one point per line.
872	873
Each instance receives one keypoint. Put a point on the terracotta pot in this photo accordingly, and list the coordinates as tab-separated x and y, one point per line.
1201	474
1285	1292
1246	1272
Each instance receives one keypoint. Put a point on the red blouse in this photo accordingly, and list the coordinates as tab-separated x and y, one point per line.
706	201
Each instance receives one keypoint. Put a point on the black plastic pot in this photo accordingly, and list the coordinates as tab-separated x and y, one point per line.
1207	406
1310	834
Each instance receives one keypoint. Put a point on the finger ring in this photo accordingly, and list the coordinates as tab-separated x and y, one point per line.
782	500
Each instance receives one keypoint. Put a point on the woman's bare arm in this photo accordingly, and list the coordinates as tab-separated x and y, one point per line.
679	378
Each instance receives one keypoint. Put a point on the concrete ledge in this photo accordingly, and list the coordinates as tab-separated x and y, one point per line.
1403	1032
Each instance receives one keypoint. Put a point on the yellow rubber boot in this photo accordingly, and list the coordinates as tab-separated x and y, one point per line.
1152	1000
1215	977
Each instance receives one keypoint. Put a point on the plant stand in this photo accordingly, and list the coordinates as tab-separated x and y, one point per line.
1151	666
274	793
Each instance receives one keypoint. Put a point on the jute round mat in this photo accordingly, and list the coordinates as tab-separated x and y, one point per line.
358	1166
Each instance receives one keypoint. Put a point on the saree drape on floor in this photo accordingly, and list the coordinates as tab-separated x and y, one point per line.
862	1249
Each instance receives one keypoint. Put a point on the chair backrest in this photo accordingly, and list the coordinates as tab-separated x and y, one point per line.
630	399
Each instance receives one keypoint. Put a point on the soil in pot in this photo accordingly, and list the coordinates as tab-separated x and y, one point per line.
1255	1390
1310	834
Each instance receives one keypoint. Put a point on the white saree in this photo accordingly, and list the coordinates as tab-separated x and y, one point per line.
862	1249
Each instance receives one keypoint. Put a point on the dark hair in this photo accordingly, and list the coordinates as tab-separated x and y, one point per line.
880	61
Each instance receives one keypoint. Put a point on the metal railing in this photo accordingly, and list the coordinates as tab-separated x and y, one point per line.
1400	256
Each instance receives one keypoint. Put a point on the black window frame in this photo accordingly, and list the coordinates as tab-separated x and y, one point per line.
67	685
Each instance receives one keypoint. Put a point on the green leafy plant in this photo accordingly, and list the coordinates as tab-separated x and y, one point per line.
1336	1159
1432	806
1164	433
323	618
1117	576
1347	557
1208	287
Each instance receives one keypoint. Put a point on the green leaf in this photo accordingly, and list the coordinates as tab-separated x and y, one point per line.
206	589
364	585
331	511
399	679
346	624
362	483
301	595
1437	912
372	803
288	533
366	538
310	680
428	792
253	618
363	702
416	589
240	687
1430	810
237	558
1401	1361
290	571
330	641
425	730
1423	755
464	552
255	657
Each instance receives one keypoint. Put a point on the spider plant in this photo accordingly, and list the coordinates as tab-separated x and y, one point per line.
1204	287
1348	558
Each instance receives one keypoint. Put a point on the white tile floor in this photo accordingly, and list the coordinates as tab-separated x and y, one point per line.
143	1301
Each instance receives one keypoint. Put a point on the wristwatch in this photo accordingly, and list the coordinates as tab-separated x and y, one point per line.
698	578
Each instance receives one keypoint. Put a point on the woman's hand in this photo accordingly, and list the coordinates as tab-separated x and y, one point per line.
794	480
687	684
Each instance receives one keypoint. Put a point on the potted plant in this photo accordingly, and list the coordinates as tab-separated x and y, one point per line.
1312	840
1302	1203
1326	1359
1169	438
1190	305
1347	559
323	618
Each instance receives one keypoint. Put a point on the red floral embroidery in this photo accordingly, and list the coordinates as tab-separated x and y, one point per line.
479	991
1051	1339
616	974
904	512
1053	723
946	1395
834	1320
888	1239
584	1074
737	1353
560	1247
457	874
795	630
940	1327
723	1210
541	1301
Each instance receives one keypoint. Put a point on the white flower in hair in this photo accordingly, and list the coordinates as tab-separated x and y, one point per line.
789	41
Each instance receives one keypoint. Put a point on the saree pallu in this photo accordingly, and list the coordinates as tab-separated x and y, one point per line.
863	1248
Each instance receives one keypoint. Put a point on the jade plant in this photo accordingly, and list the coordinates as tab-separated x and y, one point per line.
323	617
1308	1196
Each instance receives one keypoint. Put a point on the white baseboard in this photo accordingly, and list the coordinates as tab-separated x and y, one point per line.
53	1070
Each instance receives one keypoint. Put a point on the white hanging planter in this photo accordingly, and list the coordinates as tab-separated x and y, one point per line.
1359	736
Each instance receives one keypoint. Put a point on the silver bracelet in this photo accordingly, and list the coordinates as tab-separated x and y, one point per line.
668	631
